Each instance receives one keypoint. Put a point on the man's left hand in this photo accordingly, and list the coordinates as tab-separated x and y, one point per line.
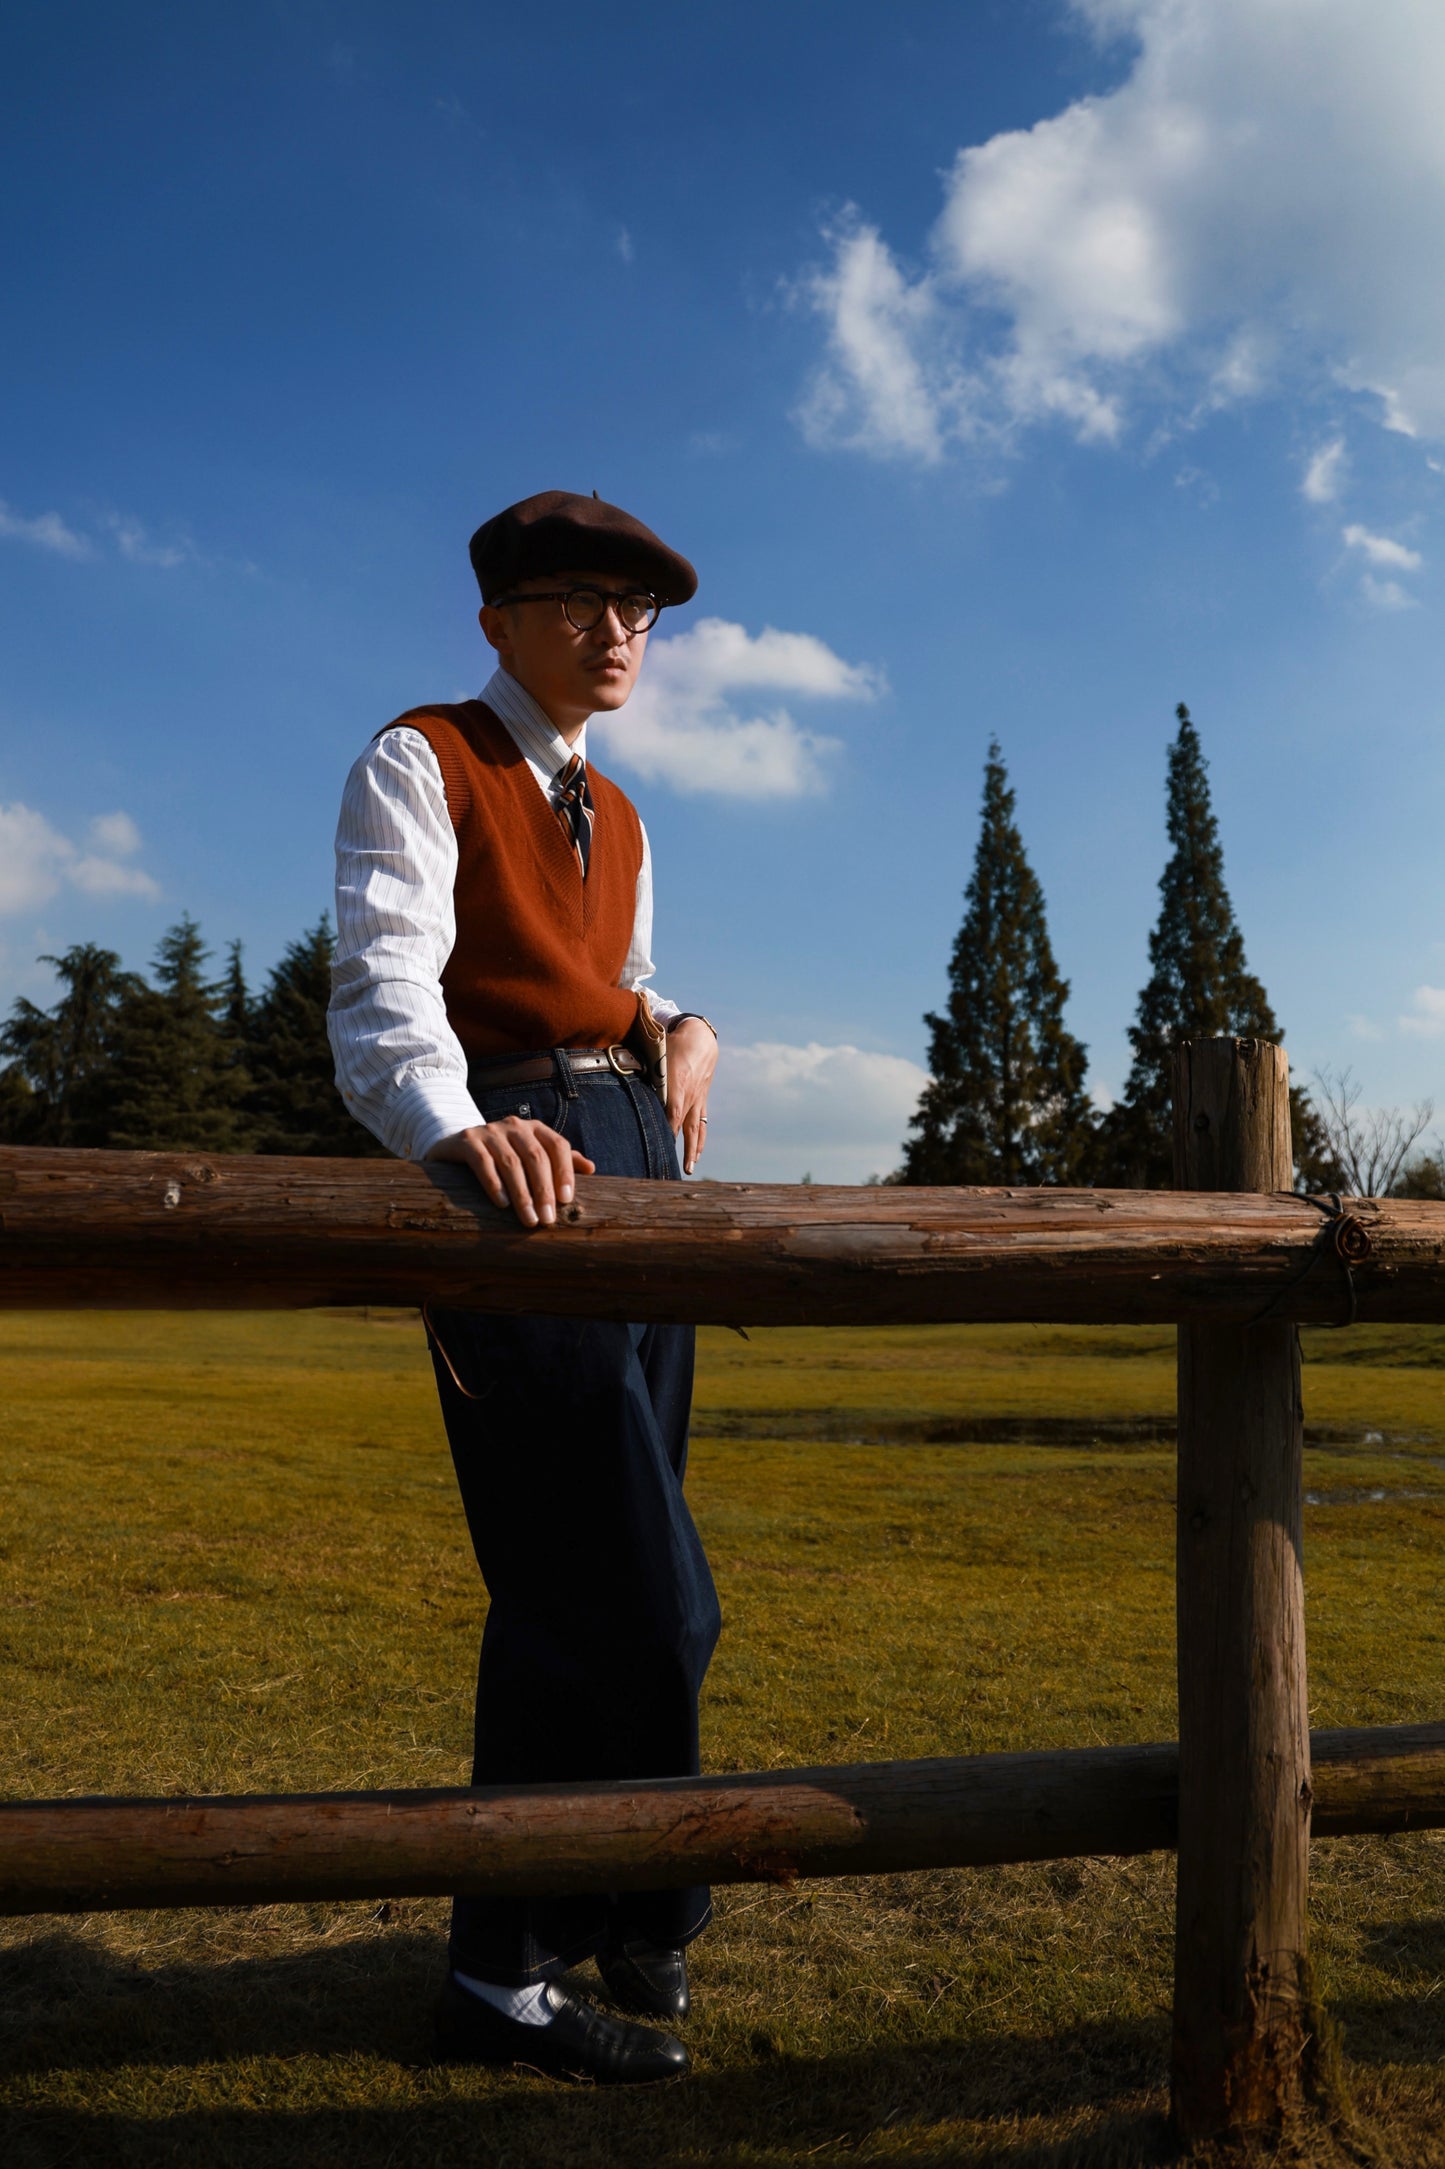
691	1060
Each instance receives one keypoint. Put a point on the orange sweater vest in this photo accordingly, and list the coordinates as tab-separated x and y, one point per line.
539	951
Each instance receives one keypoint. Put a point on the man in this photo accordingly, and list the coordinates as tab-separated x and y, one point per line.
494	929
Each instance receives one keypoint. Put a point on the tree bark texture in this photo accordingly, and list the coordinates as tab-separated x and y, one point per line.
114	1230
1240	1997
59	1856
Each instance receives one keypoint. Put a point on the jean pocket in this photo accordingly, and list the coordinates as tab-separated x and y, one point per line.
461	1346
662	1149
557	1110
532	1103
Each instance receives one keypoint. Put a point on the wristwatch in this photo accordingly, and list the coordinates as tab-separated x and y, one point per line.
683	1016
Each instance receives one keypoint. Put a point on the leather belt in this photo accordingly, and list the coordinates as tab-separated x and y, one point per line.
536	1069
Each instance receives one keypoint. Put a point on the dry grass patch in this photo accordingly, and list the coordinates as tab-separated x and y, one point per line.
232	1559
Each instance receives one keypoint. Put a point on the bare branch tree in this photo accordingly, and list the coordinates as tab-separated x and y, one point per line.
1371	1144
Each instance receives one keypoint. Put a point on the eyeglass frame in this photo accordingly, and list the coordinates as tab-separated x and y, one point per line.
607	596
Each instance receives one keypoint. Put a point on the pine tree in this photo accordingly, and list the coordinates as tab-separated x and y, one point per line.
55	1089
174	1081
235	1018
21	1111
1199	986
1006	1101
235	1013
293	1103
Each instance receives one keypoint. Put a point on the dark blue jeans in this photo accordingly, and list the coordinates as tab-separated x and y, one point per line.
570	1444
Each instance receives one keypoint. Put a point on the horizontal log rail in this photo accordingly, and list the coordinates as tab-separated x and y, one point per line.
62	1856
113	1230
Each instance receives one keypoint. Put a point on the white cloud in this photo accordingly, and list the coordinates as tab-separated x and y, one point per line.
1259	203
1386	594
1382	549
31	852
838	1114
878	392
48	531
135	544
686	726
1364	1028
1428	1018
1200	485
115	834
625	247
45	531
36	859
1325	474
103	877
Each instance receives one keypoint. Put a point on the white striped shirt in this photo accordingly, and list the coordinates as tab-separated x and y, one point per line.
399	1065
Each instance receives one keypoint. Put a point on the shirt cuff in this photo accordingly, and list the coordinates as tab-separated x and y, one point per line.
431	1108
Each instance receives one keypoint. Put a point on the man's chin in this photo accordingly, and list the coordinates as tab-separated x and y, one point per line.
607	694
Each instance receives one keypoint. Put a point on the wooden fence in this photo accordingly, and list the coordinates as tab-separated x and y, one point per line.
1231	1256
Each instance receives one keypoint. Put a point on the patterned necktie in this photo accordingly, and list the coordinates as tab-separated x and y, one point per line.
574	808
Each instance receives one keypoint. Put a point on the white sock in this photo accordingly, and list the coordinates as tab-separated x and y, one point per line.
529	2006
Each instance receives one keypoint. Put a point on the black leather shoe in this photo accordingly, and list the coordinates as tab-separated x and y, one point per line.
579	2042
641	1977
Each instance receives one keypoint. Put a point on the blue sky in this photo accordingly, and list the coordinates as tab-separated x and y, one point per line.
1019	368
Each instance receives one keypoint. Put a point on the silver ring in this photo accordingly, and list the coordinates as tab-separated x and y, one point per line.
704	1121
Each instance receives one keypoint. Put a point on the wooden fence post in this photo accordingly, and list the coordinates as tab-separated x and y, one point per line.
1240	1996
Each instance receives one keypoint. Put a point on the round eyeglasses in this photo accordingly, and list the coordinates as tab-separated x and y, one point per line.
585	607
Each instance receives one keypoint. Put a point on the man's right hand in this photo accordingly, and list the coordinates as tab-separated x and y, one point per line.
519	1163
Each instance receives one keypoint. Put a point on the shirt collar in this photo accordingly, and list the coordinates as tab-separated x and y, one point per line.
530	725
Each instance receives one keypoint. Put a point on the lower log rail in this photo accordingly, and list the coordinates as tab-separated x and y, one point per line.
71	1856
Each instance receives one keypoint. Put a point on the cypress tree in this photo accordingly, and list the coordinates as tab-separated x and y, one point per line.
1006	1100
54	1090
293	1103
1199	985
174	1080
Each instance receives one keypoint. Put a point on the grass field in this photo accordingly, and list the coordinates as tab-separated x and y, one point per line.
231	1559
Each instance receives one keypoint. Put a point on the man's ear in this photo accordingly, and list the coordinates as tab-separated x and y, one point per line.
494	627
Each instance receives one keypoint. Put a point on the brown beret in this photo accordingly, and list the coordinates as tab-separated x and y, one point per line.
557	532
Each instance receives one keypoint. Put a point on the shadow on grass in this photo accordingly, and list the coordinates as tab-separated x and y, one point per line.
1409	2027
66	2004
1410	1948
431	2139
149	2064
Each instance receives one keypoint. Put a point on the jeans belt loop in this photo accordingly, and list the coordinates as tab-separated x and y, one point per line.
565	1078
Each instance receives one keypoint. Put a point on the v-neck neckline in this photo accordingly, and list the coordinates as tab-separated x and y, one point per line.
557	834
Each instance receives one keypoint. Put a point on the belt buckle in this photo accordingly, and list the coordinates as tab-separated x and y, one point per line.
613	1063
